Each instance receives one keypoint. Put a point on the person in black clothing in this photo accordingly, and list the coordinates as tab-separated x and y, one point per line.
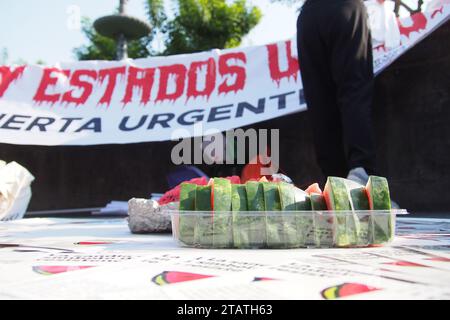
335	57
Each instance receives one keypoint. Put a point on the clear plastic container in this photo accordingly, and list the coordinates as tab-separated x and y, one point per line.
283	229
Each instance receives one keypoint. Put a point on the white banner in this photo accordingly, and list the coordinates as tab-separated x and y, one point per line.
160	98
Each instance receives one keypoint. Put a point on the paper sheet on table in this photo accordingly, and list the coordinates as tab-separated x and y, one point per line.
99	259
139	277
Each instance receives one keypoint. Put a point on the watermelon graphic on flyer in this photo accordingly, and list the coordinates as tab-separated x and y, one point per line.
170	277
345	290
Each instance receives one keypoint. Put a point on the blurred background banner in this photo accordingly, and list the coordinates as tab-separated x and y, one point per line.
161	98
100	102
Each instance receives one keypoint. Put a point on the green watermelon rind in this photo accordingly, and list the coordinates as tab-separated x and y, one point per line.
346	225
287	196
292	235
257	227
203	198
187	221
305	222
222	220
318	202
359	198
241	220
203	235
323	223
276	227
360	203
381	225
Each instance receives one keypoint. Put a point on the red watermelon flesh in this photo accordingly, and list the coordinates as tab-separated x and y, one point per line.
234	179
170	196
211	183
173	195
251	171
314	188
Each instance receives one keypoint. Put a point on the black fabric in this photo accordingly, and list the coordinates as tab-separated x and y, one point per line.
335	56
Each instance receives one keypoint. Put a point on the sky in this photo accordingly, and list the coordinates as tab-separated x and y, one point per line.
49	30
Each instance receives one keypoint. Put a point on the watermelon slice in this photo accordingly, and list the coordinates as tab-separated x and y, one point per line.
287	196
359	199
360	203
274	220
222	218
337	198
305	222
292	235
336	195
238	198
203	233
314	188
255	200
241	220
234	179
378	193
203	198
358	221
382	224
187	220
302	200
255	196
173	195
318	202
323	221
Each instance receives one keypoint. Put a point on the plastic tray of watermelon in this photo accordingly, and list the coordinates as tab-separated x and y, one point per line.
284	229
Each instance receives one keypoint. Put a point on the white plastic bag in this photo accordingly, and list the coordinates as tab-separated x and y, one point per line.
15	190
383	23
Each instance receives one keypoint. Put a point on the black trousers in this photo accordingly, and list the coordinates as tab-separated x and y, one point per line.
335	57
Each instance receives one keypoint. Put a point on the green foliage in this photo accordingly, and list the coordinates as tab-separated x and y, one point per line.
205	24
156	15
197	25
